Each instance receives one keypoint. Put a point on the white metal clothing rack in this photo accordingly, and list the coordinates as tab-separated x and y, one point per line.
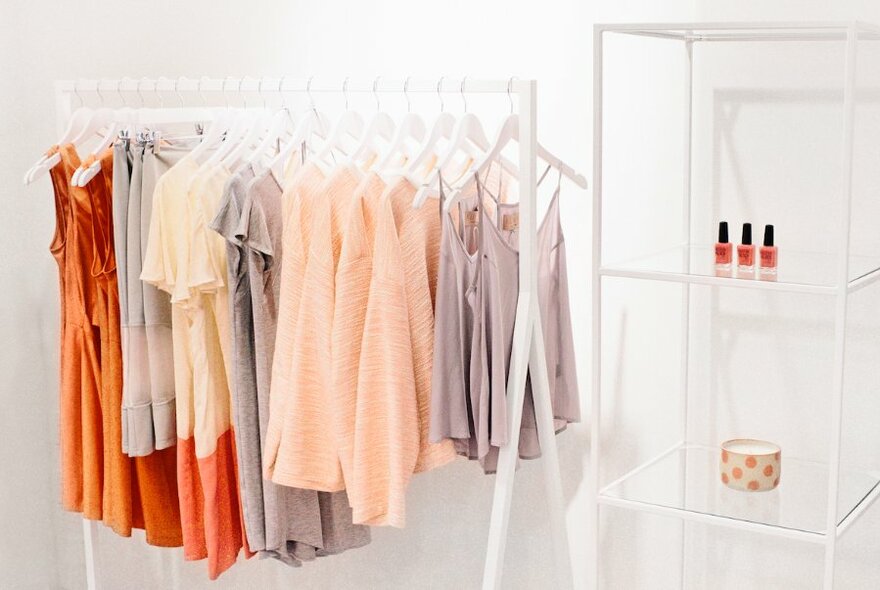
688	34
528	341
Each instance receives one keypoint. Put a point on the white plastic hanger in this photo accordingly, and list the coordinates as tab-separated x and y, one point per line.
507	133
243	121
411	131
381	127
442	129
315	123
281	123
216	130
468	140
78	121
122	118
349	126
96	121
258	124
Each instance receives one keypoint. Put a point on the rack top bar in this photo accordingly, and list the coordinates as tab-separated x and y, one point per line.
747	31
268	86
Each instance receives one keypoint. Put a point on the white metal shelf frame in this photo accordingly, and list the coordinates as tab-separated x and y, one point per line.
527	354
689	34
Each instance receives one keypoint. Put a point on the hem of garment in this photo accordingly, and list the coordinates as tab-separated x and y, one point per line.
378	515
338	551
435	459
304	483
150	426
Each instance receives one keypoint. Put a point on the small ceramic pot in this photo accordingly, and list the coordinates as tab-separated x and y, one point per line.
750	465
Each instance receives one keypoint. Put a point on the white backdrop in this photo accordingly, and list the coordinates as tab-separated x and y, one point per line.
443	544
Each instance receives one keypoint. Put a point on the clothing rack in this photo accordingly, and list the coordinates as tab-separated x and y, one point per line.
528	340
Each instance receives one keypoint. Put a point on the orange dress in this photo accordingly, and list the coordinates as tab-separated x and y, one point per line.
98	479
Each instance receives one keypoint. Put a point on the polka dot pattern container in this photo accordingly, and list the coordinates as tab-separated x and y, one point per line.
750	465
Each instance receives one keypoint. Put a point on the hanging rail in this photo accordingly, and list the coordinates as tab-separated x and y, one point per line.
528	341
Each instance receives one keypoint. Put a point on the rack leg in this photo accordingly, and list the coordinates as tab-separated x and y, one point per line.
516	387
549	452
89	533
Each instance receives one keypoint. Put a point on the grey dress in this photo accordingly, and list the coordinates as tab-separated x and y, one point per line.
289	524
473	400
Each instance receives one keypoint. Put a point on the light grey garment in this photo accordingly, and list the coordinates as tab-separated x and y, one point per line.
150	308
500	284
260	231
456	403
140	425
474	323
122	168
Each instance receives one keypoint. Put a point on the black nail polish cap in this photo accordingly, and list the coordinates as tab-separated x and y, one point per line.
747	234
768	235
722	233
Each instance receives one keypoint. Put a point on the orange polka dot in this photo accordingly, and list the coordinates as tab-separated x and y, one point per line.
775	482
724	478
724	456
751	462
753	485
778	456
768	470
737	473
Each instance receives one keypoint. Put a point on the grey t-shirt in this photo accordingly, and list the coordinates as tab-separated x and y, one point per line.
289	524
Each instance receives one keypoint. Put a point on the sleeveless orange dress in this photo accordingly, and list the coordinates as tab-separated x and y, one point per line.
97	478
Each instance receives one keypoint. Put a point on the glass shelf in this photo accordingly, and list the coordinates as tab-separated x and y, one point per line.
685	481
798	271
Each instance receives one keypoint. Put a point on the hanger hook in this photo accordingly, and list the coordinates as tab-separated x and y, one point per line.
463	97
406	94
509	97
77	94
309	93
141	96
98	92
242	94
223	89
177	91
199	91
376	93
260	91
119	92
281	92
159	94
345	91
440	95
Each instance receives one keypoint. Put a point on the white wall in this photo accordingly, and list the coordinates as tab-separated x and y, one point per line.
443	545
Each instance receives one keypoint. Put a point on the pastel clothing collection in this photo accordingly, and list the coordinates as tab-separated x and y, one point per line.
258	361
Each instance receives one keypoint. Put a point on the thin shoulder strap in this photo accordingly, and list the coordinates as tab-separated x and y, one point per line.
480	234
544	175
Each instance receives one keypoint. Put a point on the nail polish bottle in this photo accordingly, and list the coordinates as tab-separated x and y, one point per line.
768	252
723	248
745	252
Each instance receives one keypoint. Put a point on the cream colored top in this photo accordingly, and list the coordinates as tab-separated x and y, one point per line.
180	260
